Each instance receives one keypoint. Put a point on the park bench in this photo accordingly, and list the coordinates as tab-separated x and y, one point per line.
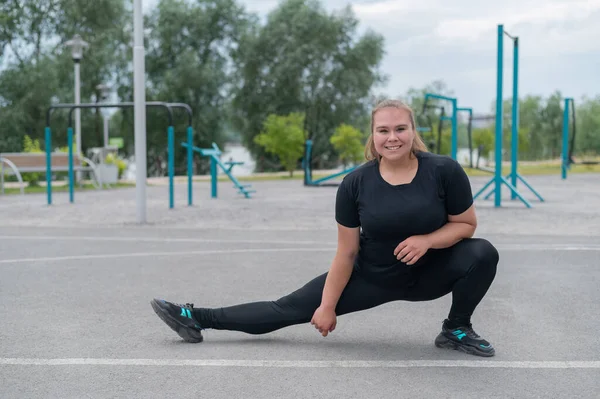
27	162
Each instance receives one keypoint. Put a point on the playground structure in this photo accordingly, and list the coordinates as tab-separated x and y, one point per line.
568	146
215	162
324	181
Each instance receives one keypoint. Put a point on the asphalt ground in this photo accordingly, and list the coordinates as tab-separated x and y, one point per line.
77	279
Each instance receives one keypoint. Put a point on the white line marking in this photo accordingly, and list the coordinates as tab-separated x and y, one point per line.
305	363
157	239
150	254
504	247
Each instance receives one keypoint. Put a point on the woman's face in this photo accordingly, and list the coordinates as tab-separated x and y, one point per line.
393	134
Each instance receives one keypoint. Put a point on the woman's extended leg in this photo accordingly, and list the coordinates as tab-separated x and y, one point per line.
466	269
266	316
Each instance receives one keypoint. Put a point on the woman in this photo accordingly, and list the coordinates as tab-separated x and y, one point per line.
405	223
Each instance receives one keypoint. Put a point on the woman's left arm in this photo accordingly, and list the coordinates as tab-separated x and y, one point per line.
458	227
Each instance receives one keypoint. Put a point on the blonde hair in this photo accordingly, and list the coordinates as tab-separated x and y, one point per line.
418	143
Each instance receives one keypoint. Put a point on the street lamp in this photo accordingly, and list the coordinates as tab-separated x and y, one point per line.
104	92
77	45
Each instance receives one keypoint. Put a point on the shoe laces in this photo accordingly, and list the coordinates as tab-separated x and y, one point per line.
470	332
187	305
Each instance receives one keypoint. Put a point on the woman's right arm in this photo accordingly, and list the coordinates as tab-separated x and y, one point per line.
341	267
324	318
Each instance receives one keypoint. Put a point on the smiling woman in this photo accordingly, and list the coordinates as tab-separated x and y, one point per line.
405	223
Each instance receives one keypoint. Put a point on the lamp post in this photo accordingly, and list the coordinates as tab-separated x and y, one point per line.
104	92
139	98
77	45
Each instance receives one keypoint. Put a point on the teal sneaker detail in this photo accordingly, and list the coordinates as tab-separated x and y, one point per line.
464	339
180	318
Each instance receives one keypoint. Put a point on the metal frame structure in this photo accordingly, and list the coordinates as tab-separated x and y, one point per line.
568	147
308	179
498	180
452	119
71	108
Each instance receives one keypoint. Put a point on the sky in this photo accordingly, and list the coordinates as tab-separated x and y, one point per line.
456	41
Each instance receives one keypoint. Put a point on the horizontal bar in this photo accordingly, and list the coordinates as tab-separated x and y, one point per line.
439	97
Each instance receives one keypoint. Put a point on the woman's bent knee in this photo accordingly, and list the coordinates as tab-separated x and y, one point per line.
484	251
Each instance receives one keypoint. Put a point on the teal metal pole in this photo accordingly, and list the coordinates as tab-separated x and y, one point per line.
454	147
307	165
213	176
515	117
190	162
171	146
565	141
48	135
499	117
71	178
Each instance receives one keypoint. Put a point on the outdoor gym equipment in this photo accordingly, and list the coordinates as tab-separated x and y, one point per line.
472	118
569	148
452	118
171	153
71	107
308	179
215	161
440	127
498	180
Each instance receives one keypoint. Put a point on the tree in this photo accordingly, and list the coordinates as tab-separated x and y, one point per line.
305	60
348	143
284	137
39	69
483	140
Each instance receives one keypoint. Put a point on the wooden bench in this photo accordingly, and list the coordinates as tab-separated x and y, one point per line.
26	162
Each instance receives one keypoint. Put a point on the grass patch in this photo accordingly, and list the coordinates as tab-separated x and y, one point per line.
523	169
539	169
63	188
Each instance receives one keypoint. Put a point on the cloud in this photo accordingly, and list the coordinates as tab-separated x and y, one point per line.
456	41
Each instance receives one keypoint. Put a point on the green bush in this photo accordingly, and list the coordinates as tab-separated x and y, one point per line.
348	142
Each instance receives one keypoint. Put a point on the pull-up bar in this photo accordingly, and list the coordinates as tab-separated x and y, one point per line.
71	107
498	180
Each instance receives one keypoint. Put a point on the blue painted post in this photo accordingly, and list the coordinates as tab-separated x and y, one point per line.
515	118
190	162
499	117
307	167
213	176
71	177
565	141
171	149
454	150
48	135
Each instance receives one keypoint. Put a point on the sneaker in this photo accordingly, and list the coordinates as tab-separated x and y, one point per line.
464	339
179	318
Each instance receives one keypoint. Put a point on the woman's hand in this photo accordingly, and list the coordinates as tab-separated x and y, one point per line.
412	249
324	320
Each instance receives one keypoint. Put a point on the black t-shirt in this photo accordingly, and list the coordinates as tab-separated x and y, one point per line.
388	214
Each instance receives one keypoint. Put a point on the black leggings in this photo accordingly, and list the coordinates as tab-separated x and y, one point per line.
466	269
